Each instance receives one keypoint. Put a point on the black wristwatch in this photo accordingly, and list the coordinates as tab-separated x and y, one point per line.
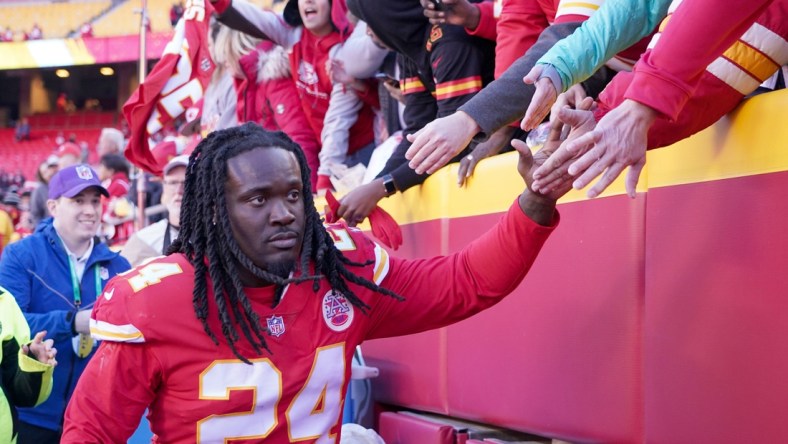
388	184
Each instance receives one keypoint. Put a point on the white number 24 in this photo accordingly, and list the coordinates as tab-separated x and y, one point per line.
314	410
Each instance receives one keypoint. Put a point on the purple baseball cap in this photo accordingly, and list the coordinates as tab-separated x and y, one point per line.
72	180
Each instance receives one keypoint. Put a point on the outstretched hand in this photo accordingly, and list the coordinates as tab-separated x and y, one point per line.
41	350
439	141
554	172
619	140
491	147
543	98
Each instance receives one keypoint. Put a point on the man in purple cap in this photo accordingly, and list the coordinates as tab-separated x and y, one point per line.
56	274
155	239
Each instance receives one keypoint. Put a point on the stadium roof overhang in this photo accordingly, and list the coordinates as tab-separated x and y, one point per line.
80	51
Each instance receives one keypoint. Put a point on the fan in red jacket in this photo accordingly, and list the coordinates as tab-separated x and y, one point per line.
339	116
265	89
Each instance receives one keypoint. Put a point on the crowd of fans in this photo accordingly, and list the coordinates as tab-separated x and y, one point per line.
431	83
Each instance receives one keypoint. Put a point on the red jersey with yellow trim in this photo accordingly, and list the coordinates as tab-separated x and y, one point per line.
741	43
690	98
156	353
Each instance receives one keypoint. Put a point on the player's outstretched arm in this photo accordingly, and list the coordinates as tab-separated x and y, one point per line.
442	290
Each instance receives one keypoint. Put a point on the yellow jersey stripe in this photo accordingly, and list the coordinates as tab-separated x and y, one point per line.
771	44
466	87
586	8
751	60
381	265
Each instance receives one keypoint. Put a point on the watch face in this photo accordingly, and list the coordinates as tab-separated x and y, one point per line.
388	183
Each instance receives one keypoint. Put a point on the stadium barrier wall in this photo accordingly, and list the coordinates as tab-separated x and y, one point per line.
659	319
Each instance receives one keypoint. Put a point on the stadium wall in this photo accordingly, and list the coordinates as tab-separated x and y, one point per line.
659	319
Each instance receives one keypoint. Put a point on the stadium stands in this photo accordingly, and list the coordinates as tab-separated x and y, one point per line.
67	122
125	20
26	155
56	20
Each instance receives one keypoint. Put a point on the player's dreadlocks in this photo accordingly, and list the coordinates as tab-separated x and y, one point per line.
207	241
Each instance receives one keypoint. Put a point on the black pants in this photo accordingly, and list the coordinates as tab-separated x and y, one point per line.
30	434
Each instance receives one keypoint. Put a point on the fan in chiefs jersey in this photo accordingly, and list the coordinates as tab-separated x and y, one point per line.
246	330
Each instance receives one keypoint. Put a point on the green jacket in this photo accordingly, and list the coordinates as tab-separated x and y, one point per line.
615	26
26	382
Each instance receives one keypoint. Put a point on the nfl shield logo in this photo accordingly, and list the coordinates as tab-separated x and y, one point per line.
84	173
276	326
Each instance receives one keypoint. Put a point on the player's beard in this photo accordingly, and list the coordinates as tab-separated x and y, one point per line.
281	269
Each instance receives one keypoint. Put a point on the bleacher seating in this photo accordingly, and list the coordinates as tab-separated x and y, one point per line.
123	20
56	20
69	121
27	155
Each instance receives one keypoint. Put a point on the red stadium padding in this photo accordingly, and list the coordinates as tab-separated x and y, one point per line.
399	428
716	311
543	389
414	372
559	360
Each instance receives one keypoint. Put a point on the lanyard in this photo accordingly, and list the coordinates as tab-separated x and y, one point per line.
167	241
75	282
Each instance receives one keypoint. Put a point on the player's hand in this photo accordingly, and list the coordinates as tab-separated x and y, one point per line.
357	204
452	12
553	172
544	97
491	147
439	141
82	322
619	140
41	350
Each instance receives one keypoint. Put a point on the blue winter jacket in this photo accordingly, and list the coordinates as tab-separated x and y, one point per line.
36	271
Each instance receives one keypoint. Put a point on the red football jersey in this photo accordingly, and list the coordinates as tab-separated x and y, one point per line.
156	353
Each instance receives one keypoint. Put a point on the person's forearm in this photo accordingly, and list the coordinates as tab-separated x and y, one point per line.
505	100
538	208
666	76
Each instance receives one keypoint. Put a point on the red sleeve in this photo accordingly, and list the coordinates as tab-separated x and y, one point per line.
102	412
519	26
486	28
442	290
118	188
221	5
696	34
283	102
370	95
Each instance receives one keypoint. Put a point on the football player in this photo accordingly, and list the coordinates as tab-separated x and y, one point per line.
247	329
